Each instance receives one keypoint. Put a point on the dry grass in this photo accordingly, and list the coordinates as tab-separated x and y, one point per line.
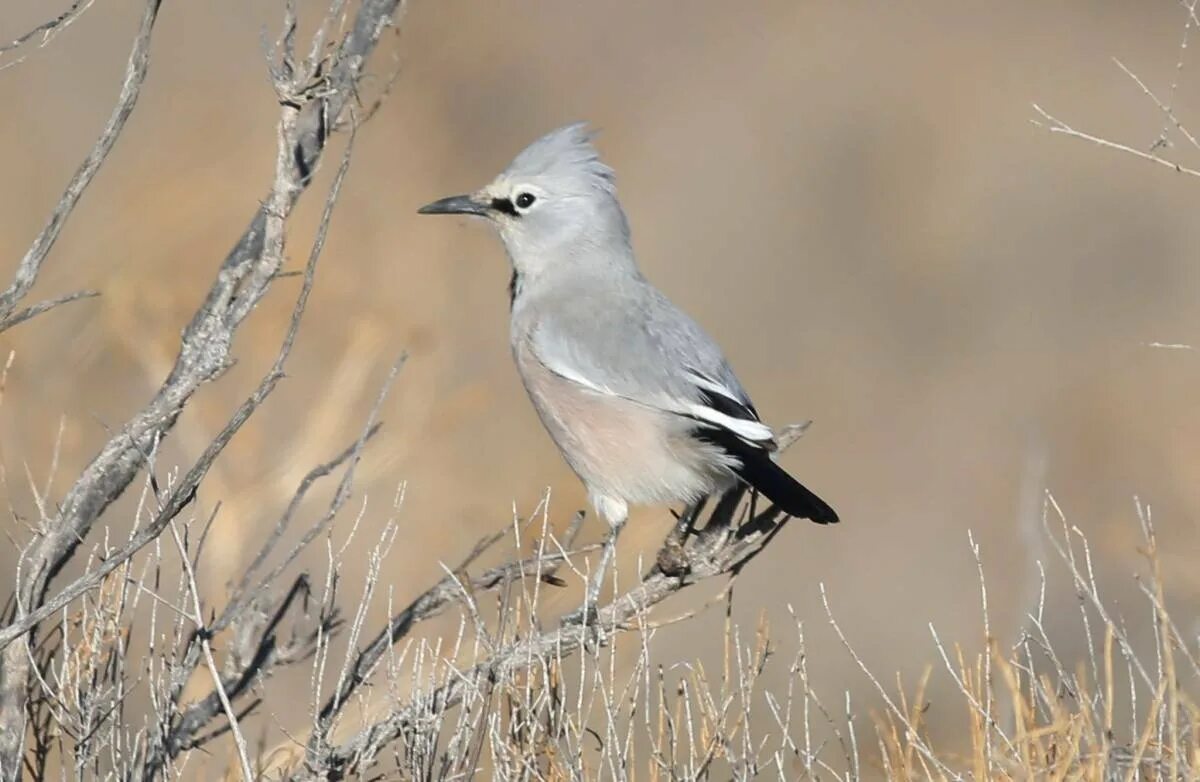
1028	712
108	674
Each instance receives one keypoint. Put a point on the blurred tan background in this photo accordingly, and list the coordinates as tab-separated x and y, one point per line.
850	196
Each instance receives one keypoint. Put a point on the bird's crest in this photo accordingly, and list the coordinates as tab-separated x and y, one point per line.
567	158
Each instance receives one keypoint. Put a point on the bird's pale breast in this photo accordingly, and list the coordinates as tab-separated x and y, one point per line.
620	448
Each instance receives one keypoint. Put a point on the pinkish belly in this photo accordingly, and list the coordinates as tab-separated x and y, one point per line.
625	450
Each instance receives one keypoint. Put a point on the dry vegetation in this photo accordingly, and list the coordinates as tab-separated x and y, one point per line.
119	662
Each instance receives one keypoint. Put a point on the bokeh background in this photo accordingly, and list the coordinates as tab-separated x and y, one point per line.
850	196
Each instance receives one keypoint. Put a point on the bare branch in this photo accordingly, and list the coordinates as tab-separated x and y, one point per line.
253	620
44	306
244	278
308	106
430	604
1168	113
184	491
202	633
31	264
1055	125
719	549
1167	108
48	29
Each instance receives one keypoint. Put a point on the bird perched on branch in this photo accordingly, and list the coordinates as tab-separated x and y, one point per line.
639	399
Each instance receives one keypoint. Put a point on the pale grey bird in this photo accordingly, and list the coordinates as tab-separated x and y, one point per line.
638	398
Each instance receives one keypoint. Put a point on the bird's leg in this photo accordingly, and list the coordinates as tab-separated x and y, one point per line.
616	519
606	555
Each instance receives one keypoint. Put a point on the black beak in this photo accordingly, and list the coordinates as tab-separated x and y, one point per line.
455	205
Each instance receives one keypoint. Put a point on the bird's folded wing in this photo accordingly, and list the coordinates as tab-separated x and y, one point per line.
669	364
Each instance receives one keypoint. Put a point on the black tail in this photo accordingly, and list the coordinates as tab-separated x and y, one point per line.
773	482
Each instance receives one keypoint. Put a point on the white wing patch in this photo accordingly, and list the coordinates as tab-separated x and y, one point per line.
750	429
708	384
575	377
754	431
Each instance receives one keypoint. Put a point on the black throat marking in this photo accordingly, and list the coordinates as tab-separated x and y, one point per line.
505	206
514	288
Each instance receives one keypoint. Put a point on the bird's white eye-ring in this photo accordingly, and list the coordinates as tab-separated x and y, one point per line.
525	200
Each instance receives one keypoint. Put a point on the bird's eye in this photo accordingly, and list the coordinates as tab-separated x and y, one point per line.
525	200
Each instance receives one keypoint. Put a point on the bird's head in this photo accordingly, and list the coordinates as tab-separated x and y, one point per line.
556	202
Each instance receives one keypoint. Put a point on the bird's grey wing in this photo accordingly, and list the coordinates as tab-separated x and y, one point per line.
651	353
644	350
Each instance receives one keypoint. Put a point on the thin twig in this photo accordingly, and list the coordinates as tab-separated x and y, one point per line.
48	29
203	633
33	311
31	264
1055	125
